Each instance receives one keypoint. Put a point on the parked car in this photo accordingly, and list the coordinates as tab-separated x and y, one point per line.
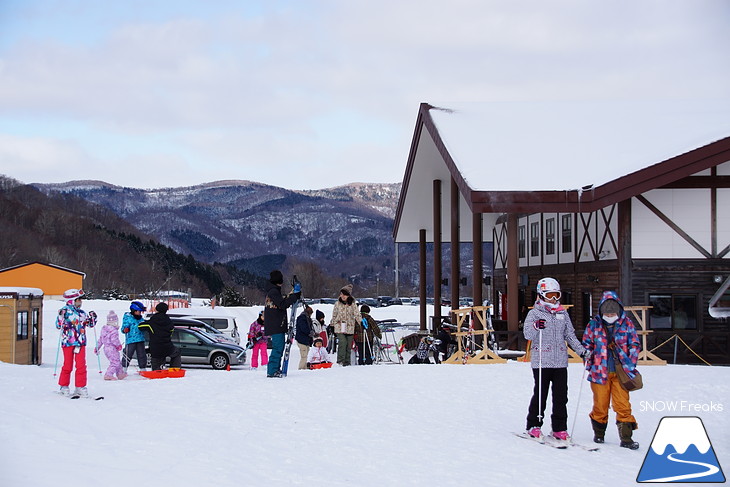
219	320
327	301
372	302
384	300
199	348
215	333
406	301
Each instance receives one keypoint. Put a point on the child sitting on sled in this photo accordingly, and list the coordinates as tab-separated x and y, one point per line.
317	357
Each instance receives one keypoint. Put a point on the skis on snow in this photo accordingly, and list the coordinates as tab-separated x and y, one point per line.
556	443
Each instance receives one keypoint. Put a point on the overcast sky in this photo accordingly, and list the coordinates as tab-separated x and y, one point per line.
314	94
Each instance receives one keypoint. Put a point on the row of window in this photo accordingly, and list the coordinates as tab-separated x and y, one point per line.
22	321
566	237
668	311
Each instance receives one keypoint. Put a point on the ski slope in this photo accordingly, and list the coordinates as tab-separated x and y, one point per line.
384	425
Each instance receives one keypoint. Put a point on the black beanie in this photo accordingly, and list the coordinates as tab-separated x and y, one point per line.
365	308
162	307
276	277
319	315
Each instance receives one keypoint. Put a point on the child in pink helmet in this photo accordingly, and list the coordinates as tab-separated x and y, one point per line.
109	340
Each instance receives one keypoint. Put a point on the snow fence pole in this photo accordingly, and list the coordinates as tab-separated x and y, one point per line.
577	404
58	348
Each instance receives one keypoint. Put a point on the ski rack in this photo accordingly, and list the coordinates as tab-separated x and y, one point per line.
645	356
485	356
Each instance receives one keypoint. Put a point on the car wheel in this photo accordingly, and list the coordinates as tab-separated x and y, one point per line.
219	361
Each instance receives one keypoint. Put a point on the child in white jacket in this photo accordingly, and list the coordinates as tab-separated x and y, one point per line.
317	353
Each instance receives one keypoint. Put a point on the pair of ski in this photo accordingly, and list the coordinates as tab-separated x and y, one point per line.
79	396
290	331
556	443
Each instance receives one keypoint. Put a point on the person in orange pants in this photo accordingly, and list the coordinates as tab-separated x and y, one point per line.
612	342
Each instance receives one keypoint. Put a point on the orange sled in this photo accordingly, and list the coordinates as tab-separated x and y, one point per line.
323	365
162	374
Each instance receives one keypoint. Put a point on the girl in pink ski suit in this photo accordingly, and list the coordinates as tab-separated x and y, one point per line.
259	341
109	339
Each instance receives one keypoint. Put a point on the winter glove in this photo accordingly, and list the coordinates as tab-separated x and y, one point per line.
585	355
539	324
297	287
119	348
96	350
92	316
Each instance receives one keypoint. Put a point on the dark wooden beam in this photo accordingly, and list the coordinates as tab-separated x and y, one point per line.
513	274
455	245
436	254
422	279
477	229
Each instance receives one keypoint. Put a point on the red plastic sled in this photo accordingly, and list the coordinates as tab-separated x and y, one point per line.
323	365
162	374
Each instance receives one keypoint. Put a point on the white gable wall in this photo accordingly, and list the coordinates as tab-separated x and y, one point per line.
653	239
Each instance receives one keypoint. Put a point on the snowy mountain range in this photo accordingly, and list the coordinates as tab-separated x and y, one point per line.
226	221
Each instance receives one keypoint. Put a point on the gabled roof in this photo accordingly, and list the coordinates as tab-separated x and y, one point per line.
556	157
43	264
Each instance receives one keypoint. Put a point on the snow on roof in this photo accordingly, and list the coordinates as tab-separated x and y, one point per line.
22	291
531	146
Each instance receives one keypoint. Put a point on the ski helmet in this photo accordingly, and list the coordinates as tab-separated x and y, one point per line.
137	306
72	295
548	285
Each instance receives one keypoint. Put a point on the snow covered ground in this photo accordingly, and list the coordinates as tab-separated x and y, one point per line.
378	425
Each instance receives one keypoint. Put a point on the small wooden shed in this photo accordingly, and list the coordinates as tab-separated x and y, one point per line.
51	278
21	325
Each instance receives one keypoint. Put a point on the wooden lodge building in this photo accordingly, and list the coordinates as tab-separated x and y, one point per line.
632	197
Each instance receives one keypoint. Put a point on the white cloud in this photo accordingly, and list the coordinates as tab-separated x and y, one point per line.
242	90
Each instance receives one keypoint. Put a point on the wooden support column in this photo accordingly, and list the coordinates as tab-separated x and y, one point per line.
436	255
422	279
624	252
477	228
513	274
455	245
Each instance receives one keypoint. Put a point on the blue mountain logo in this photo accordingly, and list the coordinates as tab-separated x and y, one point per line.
681	452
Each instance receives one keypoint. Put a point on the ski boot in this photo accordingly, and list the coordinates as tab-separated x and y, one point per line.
599	431
535	432
64	391
561	435
81	392
625	431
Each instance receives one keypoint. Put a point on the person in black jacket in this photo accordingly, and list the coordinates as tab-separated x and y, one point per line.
304	335
160	329
275	320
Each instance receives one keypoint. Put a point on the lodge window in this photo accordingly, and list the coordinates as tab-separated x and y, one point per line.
567	234
521	241
673	311
535	239
22	325
550	236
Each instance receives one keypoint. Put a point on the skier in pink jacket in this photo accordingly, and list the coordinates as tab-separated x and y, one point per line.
112	346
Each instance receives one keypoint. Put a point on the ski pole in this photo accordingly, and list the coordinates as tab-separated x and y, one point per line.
539	377
96	345
577	405
58	349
